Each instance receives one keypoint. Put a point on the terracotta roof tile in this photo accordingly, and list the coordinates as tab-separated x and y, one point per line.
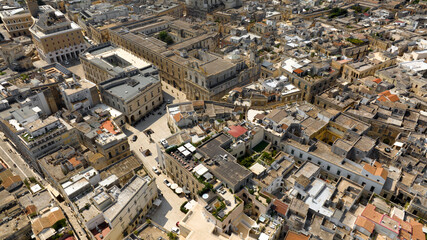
298	71
365	223
237	131
417	230
178	117
370	213
291	235
281	207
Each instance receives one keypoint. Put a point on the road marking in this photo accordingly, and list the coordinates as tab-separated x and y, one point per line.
1	147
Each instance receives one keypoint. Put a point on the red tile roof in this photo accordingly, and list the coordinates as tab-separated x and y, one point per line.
298	71
237	131
74	161
393	98
365	223
370	213
417	230
109	126
296	236
281	207
377	80
377	170
178	117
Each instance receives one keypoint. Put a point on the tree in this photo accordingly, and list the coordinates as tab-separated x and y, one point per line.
172	236
165	37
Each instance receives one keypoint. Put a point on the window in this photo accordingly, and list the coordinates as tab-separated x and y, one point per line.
328	168
300	155
292	151
338	172
372	189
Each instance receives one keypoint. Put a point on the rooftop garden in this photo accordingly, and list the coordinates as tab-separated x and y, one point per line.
260	146
220	206
355	41
246	161
208	186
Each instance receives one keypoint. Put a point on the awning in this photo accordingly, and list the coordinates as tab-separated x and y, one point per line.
185	190
157	202
178	190
190	204
174	186
208	176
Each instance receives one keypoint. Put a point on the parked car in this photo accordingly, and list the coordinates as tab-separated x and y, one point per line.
167	182
164	143
156	171
175	230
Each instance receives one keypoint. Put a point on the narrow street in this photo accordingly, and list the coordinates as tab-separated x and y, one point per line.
168	214
14	160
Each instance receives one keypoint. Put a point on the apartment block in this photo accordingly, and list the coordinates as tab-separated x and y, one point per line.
134	93
17	21
56	38
105	61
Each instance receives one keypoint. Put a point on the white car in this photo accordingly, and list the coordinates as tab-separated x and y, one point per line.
156	171
164	143
175	230
168	184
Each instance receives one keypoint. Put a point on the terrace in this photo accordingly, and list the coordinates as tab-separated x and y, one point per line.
223	205
186	155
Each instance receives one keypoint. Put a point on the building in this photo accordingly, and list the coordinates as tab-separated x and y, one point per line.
36	137
43	226
311	79
106	140
105	61
56	38
79	95
188	63
14	55
222	164
33	7
188	114
367	67
17	21
14	224
134	93
114	210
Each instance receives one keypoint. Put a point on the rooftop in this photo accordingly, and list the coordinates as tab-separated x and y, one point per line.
132	85
125	195
113	59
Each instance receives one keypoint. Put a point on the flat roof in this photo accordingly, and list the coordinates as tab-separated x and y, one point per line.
125	195
129	87
226	169
98	55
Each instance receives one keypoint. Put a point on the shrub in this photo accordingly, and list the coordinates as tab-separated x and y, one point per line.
355	41
335	12
59	224
172	236
182	208
165	37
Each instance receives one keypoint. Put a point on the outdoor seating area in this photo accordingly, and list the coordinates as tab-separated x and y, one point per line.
184	155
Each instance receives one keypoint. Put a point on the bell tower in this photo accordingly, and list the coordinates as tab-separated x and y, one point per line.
33	7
